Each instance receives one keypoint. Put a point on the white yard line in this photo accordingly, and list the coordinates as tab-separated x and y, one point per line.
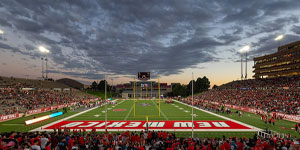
129	113
55	122
161	112
249	126
63	119
121	102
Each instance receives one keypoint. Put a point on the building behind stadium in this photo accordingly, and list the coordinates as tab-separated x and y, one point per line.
143	89
285	62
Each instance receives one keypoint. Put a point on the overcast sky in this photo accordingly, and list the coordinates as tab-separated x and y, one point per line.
169	38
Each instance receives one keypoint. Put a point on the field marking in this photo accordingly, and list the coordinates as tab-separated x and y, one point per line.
176	130
195	115
161	111
226	118
129	113
67	118
120	102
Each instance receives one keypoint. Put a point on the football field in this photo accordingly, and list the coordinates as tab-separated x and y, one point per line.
169	117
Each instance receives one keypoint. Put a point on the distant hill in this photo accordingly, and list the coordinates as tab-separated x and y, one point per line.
72	83
30	83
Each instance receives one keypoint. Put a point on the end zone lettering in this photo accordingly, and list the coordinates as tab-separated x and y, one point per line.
141	125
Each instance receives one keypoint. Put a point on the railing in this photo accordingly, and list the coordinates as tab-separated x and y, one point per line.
270	133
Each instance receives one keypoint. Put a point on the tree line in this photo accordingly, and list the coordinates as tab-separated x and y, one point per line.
200	85
100	86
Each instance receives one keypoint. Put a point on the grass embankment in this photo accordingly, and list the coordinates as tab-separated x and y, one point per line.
100	94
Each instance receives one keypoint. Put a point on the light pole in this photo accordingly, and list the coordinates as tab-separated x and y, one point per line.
192	105
246	67
241	65
278	38
46	67
42	67
242	50
44	51
112	84
105	104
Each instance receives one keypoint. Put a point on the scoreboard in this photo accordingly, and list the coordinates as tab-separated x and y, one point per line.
143	75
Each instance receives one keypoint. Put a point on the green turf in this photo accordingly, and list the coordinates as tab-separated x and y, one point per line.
168	112
255	120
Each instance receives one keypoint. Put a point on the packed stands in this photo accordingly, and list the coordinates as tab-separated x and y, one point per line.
270	100
21	95
280	82
279	95
64	139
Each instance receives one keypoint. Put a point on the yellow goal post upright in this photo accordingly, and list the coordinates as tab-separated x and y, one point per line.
134	99
158	97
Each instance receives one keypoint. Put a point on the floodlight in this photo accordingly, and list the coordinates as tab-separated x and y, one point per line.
43	49
245	49
279	37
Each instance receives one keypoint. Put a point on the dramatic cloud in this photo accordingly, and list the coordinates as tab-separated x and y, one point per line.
90	37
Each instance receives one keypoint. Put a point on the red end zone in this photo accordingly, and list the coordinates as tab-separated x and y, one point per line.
223	125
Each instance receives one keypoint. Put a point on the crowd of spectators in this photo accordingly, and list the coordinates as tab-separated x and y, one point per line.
269	100
18	97
291	82
270	95
64	139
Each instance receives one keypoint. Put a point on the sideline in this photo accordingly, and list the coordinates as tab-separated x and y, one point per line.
41	128
247	125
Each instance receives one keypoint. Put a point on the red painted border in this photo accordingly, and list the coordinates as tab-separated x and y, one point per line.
140	125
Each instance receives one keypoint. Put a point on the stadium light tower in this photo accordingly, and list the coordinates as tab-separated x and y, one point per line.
105	102
245	50
42	67
44	51
112	84
1	33
241	64
278	38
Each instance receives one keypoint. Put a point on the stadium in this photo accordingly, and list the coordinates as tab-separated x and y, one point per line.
114	75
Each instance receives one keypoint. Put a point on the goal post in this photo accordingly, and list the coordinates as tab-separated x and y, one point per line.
134	97
135	101
158	97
